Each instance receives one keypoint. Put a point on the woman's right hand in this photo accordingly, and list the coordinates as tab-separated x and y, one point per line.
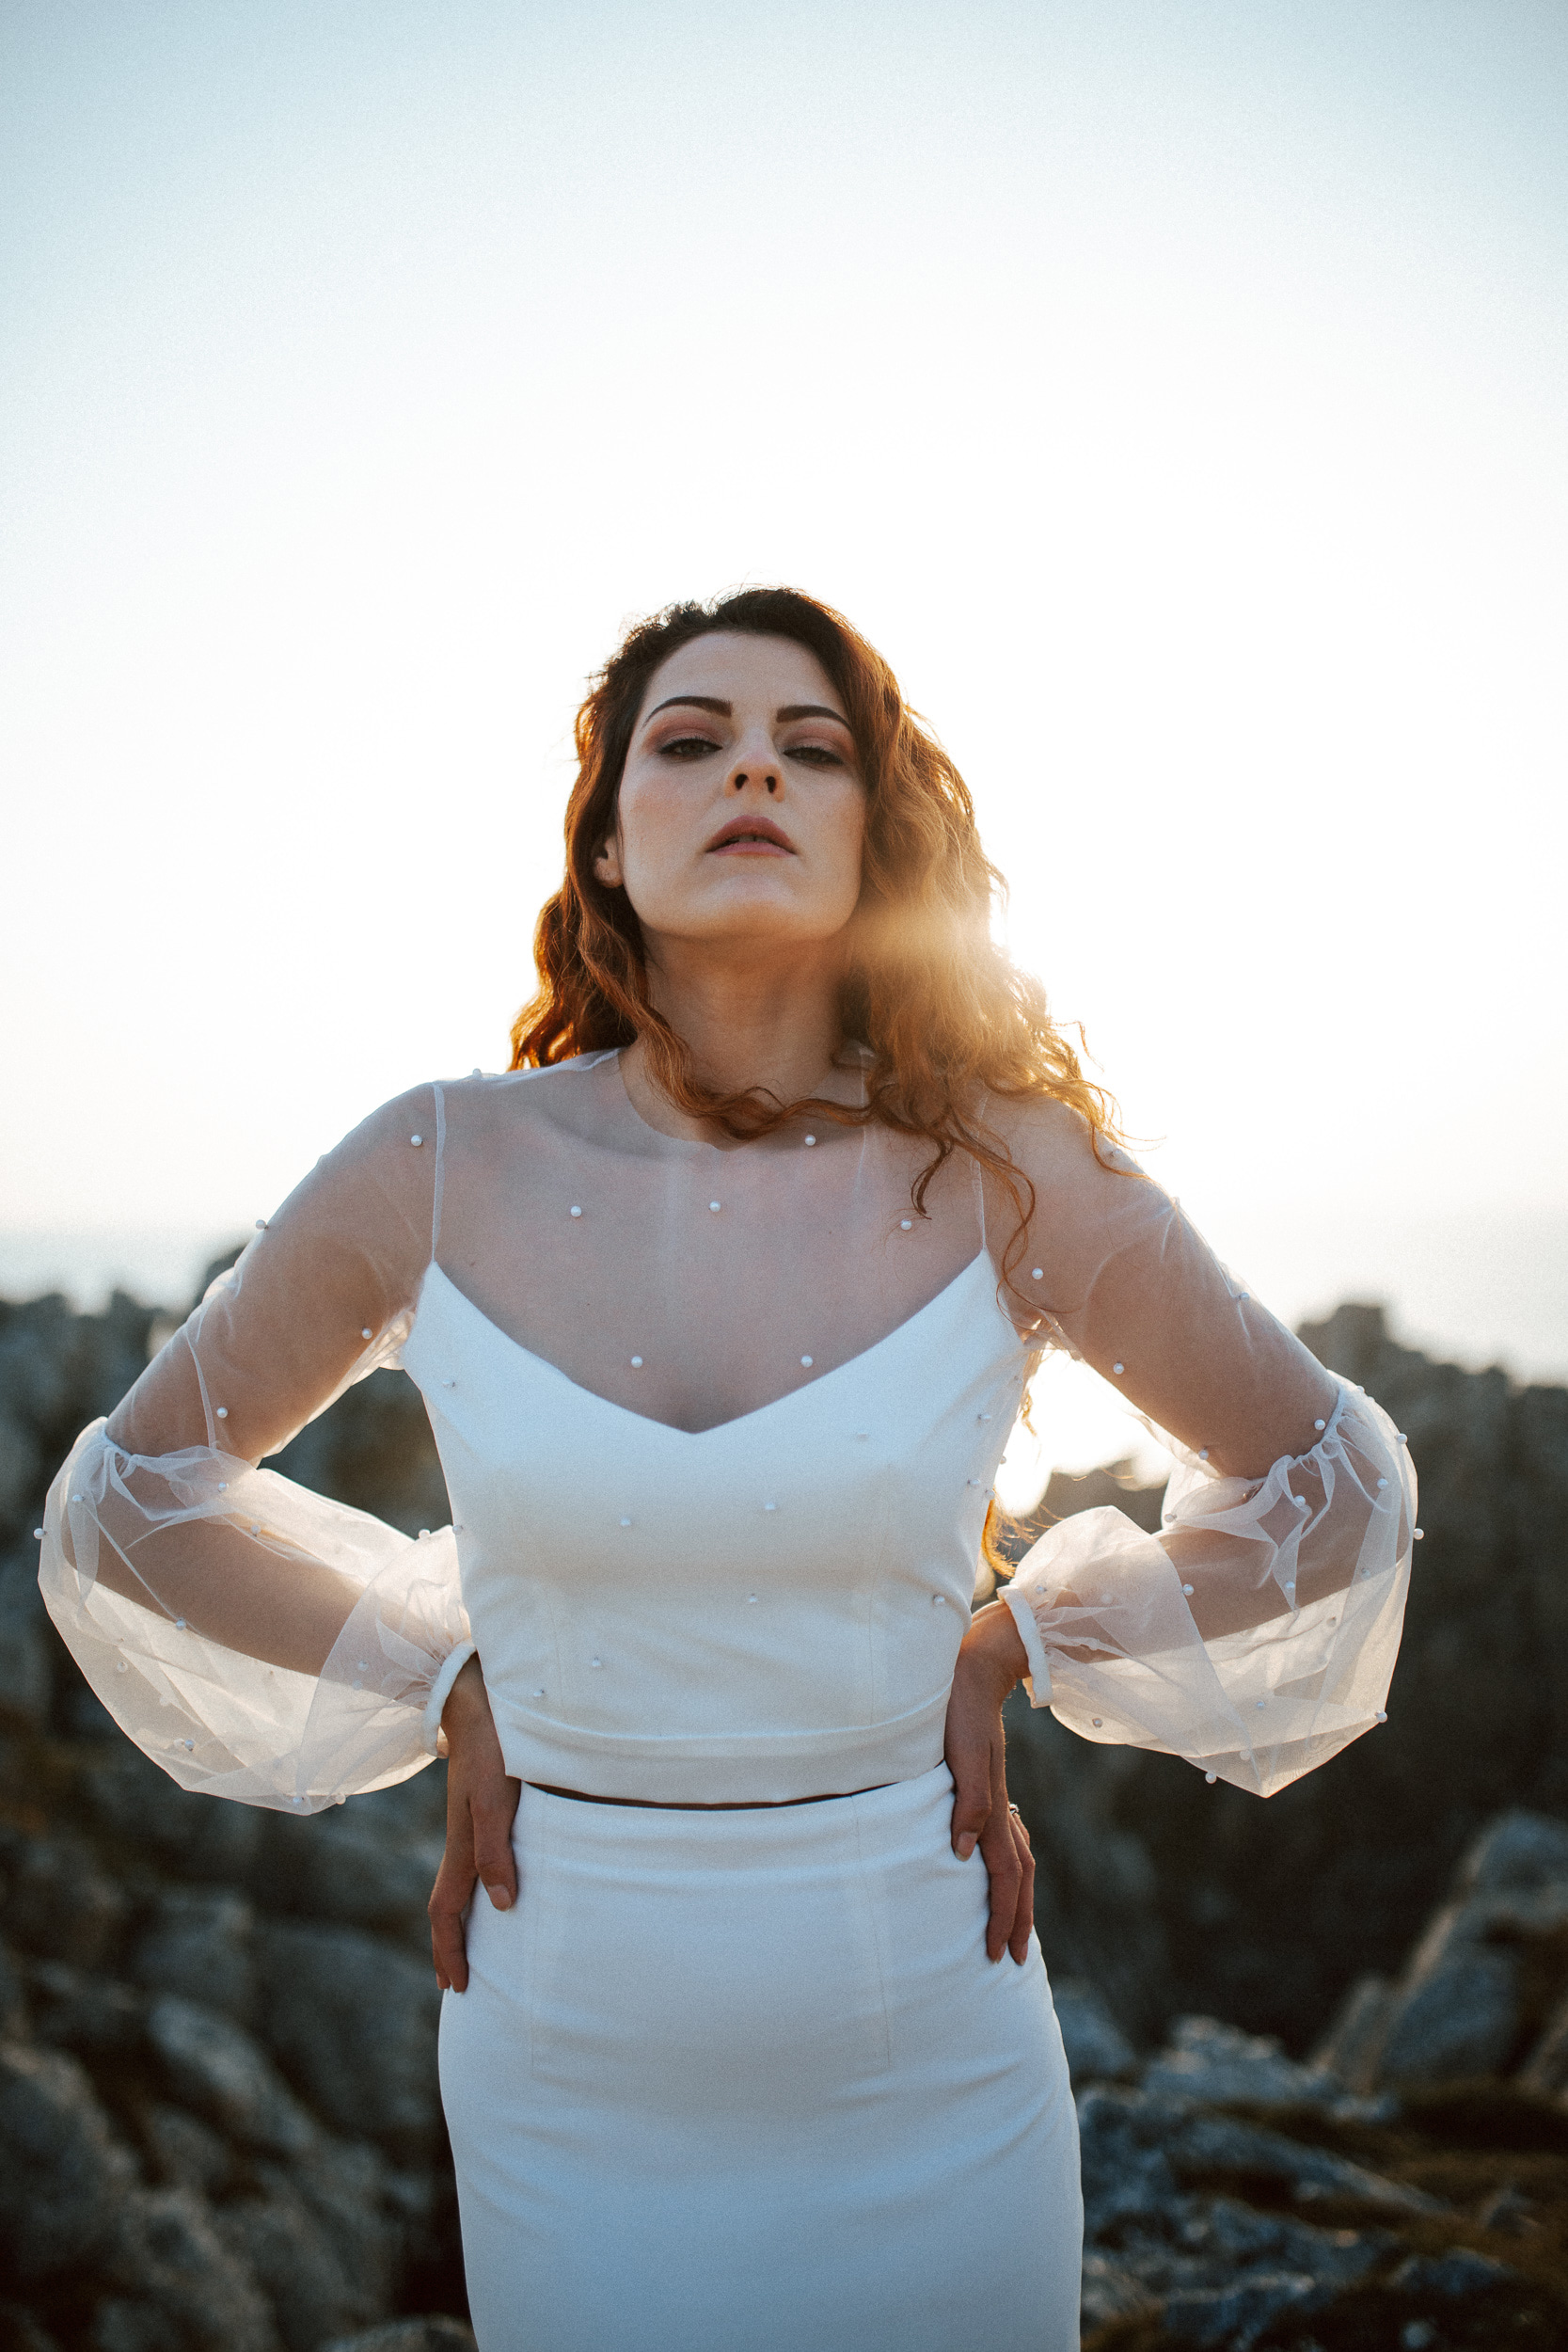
482	1803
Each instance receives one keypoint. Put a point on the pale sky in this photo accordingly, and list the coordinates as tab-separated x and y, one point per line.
1174	392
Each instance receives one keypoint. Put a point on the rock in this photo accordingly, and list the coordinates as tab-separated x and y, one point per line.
172	2271
325	2256
1236	2315
200	1943
144	1812
1125	2174
183	2153
1546	2070
1220	2272
370	1863
62	1904
1111	2293
1216	2151
13	2014
213	2066
1223	2067
1508	2214
21	2332
352	2022
1460	2271
61	2171
1097	2049
1097	1908
1460	2006
1351	2047
1519	1853
409	2335
1145	2154
93	2017
27	1643
21	1470
363	2207
1457	2016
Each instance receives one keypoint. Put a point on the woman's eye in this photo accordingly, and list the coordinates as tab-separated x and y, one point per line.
687	747
817	754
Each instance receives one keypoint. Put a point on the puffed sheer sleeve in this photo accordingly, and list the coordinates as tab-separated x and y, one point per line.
254	1639
1256	1633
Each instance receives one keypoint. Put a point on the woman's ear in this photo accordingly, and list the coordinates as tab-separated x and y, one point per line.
607	865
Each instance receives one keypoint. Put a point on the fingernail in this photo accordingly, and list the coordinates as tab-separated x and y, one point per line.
966	1845
499	1898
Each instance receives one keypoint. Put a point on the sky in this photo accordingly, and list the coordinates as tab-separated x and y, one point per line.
1173	389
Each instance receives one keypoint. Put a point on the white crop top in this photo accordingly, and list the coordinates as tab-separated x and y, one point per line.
720	1426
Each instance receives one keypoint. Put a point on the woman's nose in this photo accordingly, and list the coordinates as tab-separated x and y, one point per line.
753	765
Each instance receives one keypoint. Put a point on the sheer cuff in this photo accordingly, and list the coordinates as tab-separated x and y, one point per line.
1256	1633
440	1691
166	1574
1038	1681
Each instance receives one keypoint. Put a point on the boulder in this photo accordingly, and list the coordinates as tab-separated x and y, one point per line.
93	2017
1097	2049
211	2065
1471	2001
1349	2051
19	2331
1546	2070
352	2022
326	2263
1110	2292
183	2153
27	1641
13	2014
1460	2271
62	1902
62	2173
370	1863
409	2335
171	2272
200	1943
1235	2315
1223	2067
145	1814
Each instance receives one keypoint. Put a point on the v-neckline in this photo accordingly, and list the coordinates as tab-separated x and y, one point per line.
788	1397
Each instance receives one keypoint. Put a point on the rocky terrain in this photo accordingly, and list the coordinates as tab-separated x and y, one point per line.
219	2115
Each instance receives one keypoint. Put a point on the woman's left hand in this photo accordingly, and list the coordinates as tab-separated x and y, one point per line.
990	1660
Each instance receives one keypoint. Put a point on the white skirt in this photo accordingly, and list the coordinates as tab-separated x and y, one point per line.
747	2082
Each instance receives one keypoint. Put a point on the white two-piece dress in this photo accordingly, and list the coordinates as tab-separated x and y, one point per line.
720	1426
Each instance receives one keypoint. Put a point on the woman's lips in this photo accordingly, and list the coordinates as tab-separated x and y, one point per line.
752	836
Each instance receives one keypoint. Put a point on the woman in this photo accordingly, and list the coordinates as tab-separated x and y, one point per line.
722	1303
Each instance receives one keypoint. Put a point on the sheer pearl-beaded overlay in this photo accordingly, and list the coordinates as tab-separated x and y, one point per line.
721	1423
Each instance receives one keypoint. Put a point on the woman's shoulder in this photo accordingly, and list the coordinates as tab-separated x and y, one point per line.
418	1118
1052	1143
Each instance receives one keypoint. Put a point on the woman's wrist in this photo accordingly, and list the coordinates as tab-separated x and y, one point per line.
467	1696
994	1646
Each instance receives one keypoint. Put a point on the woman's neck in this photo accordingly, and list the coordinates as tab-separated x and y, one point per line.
755	1018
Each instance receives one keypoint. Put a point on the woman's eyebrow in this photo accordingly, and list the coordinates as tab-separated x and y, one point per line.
726	711
693	702
808	710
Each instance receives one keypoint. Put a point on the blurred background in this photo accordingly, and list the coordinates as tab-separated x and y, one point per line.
1175	392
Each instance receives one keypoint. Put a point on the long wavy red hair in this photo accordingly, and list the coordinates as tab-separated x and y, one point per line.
947	1015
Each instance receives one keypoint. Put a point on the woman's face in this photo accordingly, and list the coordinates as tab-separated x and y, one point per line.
743	810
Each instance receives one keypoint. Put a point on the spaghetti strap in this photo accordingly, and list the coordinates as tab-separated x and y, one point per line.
439	1092
977	1174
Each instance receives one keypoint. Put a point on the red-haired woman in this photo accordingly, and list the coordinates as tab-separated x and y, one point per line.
722	1301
